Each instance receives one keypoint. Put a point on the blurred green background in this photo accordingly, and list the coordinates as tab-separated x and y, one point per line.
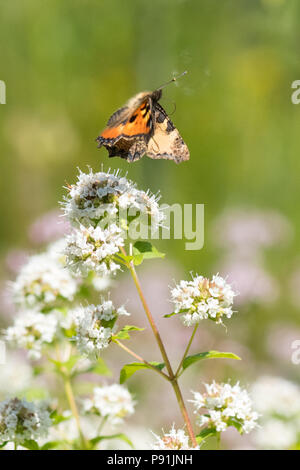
68	65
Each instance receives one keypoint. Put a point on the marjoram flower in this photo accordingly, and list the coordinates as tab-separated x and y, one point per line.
224	405
202	298
32	331
173	440
95	326
21	420
44	282
103	196
113	402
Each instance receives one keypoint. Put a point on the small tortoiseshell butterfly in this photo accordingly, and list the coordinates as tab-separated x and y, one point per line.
142	127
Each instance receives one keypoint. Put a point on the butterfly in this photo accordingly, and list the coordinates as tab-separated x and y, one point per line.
142	127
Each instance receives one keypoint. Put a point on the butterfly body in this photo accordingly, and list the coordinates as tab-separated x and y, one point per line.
142	127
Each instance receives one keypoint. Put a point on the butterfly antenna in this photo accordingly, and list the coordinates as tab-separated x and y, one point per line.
173	80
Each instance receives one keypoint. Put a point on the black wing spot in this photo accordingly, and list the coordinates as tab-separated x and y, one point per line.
160	117
133	118
170	127
149	122
145	110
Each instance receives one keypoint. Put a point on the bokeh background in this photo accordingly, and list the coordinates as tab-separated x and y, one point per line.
69	64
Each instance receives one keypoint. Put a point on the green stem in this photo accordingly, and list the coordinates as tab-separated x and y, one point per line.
103	421
187	350
172	377
73	406
71	399
218	440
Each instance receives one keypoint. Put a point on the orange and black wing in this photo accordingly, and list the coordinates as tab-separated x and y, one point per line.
166	142
128	131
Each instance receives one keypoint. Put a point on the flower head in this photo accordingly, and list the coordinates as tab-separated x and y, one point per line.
21	420
203	298
225	406
279	402
32	331
173	440
107	195
276	396
44	282
92	249
95	325
113	402
277	434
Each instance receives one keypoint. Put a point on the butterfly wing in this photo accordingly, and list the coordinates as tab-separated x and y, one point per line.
129	129
166	141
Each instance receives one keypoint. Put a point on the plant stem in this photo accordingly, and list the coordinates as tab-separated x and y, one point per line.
73	406
172	377
218	440
103	421
71	399
140	359
187	350
151	320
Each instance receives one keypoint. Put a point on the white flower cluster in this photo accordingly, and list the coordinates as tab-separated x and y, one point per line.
44	292
113	402
173	440
32	330
276	396
278	400
101	207
92	249
106	194
95	325
44	282
202	298
225	406
21	420
277	434
138	202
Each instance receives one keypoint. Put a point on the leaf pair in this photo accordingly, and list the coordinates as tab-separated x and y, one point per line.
129	369
141	250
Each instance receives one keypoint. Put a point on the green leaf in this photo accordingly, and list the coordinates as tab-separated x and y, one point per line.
50	445
100	368
145	250
123	334
237	424
168	315
30	444
189	360
37	370
176	313
138	259
129	369
58	418
66	366
125	259
205	433
120	436
3	444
